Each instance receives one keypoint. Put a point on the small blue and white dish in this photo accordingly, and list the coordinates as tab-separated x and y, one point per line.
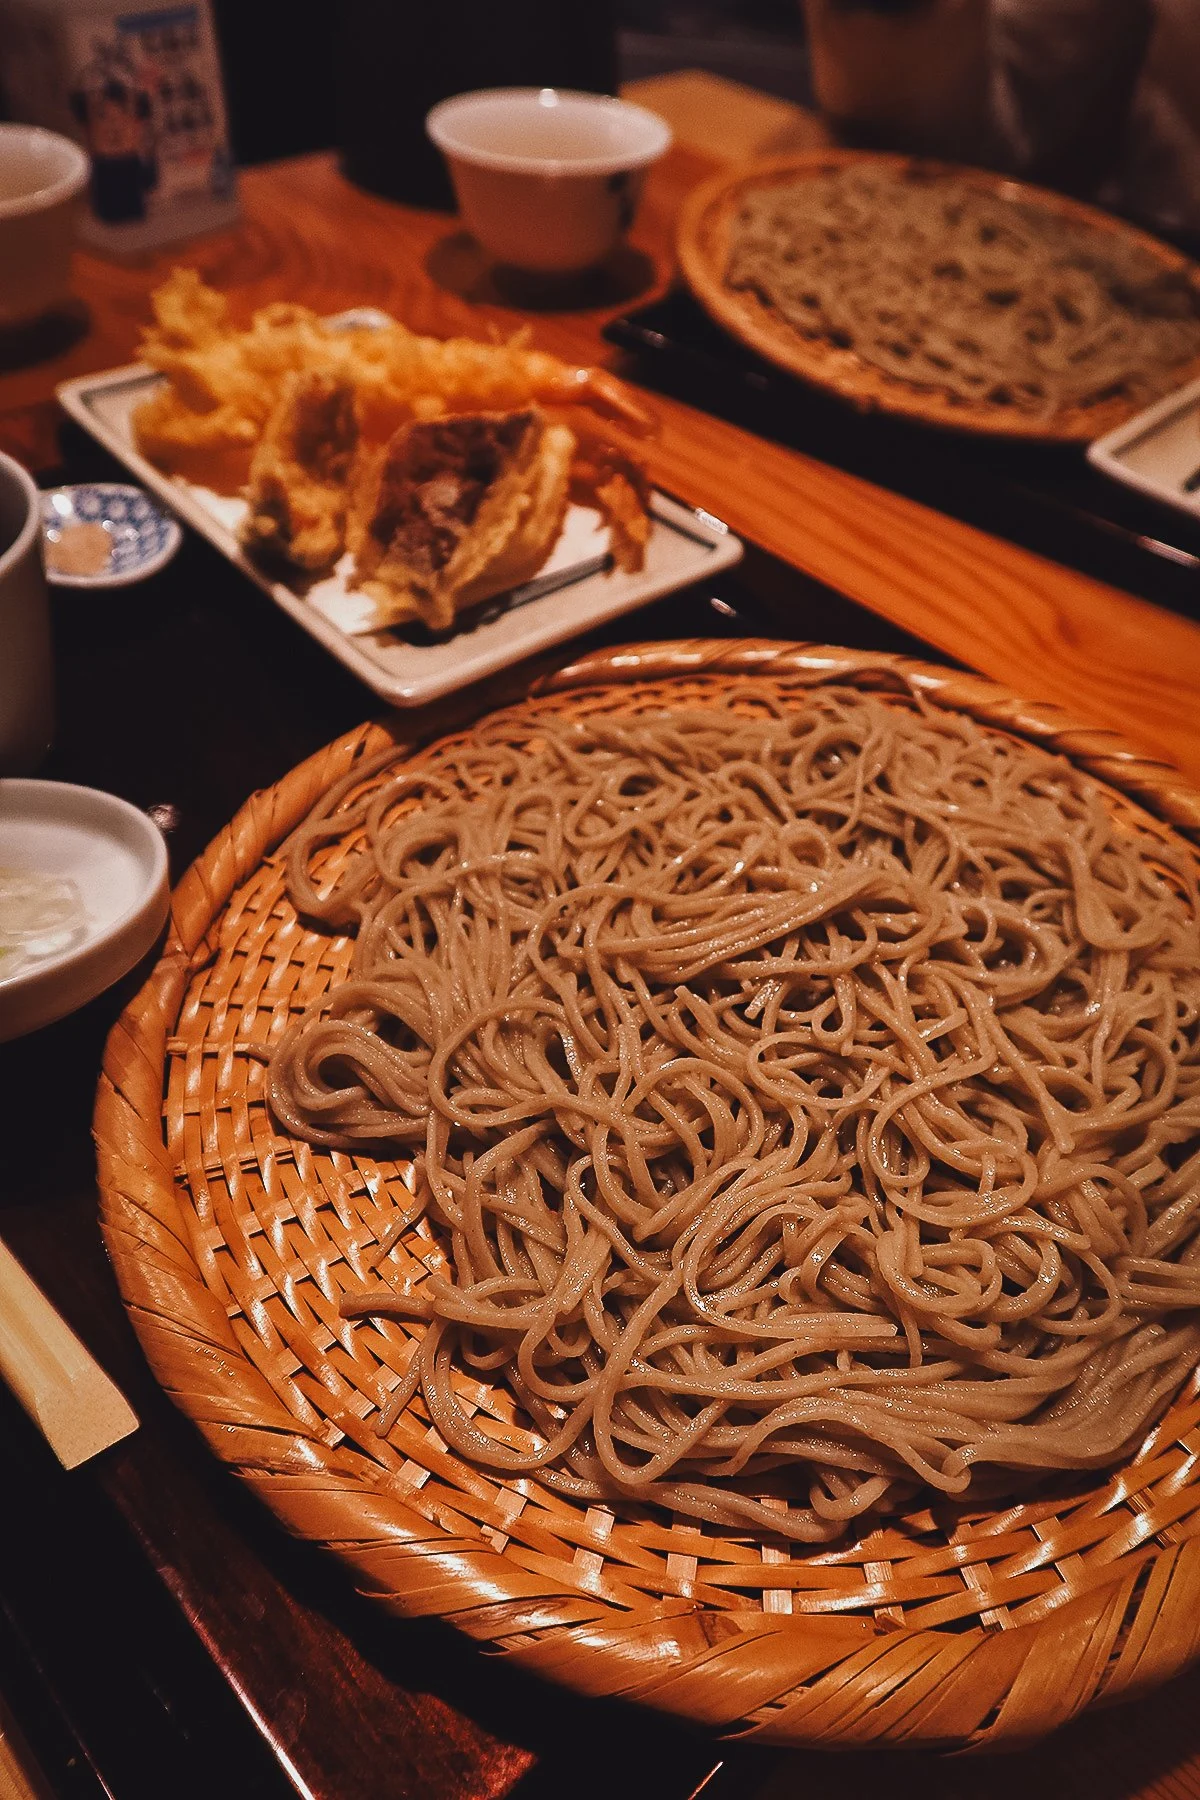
105	534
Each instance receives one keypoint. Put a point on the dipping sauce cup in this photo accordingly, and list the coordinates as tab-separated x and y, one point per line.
547	179
26	672
42	176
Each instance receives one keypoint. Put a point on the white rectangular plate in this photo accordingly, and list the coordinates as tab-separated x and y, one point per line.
576	589
1158	450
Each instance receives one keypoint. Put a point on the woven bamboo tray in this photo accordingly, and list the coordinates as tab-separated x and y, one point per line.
702	241
232	1245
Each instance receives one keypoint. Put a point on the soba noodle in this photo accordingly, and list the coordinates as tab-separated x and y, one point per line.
808	1100
945	286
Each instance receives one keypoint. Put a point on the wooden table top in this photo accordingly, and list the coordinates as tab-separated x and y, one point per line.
991	605
240	1631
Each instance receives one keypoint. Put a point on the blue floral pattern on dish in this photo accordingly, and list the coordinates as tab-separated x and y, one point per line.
143	535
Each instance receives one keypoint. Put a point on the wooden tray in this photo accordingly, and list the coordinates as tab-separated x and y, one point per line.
703	246
232	1244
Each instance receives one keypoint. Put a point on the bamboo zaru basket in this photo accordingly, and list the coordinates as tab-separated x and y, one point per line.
233	1245
703	239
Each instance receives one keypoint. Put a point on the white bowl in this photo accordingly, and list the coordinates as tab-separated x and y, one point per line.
547	179
116	858
41	178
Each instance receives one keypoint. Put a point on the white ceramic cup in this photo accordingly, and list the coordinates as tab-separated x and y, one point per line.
547	179
42	176
26	669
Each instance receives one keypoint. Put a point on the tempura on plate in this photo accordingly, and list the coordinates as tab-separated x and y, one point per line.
456	509
311	422
299	472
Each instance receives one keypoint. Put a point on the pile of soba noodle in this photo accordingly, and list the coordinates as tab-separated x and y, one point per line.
947	286
807	1100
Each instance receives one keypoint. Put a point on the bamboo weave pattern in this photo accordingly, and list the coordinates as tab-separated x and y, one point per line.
233	1245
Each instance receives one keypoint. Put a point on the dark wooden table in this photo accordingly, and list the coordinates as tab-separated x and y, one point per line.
158	1633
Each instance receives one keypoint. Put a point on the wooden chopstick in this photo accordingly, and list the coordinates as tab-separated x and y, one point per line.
20	1776
62	1387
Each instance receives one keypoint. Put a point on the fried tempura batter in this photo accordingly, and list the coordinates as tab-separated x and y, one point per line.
294	411
298	475
455	510
605	474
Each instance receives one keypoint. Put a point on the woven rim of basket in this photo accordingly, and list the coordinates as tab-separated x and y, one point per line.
992	1635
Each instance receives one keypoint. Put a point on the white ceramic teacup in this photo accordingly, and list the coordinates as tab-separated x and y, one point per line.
42	176
547	179
26	671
